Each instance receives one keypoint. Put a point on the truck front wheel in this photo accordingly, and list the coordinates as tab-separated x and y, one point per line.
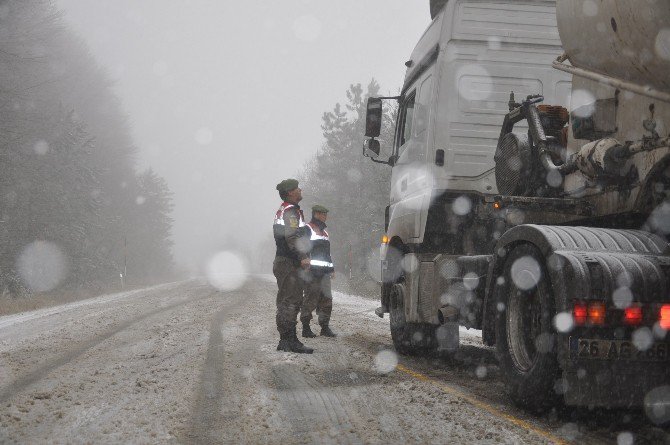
526	342
408	338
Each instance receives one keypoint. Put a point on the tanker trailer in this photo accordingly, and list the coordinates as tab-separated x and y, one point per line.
551	233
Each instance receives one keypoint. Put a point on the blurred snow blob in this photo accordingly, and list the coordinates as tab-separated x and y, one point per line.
657	405
385	361
526	272
470	281
554	178
563	322
624	279
659	220
140	200
515	216
226	271
622	297
582	103
307	28
659	332
569	431
555	262
461	205
409	263
204	136
42	266
474	83
41	147
481	372
625	438
642	339
662	45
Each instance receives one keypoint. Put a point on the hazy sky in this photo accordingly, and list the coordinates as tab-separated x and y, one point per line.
225	98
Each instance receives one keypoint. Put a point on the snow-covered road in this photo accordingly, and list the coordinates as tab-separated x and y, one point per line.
185	363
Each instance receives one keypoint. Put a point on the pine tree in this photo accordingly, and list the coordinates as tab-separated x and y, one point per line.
354	189
67	160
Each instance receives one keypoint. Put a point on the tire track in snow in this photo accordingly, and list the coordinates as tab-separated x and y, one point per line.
208	412
208	408
41	371
312	407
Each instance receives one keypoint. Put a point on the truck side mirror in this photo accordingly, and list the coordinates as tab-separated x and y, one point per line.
371	148
373	118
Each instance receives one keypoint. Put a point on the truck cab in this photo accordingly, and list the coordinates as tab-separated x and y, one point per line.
525	207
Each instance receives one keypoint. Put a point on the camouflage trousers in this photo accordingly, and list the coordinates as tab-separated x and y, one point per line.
317	296
289	294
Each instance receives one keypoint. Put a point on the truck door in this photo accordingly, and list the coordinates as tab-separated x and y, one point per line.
411	177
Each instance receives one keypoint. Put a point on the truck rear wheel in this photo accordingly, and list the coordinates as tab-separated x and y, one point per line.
526	342
409	338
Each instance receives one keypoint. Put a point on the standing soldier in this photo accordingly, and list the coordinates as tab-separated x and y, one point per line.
317	290
290	236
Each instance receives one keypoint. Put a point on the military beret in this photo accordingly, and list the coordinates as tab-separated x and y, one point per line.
287	185
320	209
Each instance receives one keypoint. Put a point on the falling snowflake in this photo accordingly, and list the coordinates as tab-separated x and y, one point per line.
226	271
526	272
385	361
42	265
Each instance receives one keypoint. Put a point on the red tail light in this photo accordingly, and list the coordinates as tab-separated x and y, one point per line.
579	313
597	313
632	315
664	317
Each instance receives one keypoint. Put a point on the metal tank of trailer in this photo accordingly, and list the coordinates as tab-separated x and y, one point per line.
619	55
624	39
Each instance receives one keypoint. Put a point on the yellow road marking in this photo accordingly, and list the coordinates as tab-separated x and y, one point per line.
483	405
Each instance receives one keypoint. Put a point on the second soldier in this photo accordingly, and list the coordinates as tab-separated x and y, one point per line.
318	293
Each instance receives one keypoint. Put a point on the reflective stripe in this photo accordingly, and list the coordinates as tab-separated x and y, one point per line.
279	216
314	236
320	263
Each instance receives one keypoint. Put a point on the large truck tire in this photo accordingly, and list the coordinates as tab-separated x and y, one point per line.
526	341
409	338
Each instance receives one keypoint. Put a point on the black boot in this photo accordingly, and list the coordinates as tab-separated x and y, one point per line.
297	346
326	332
306	330
284	343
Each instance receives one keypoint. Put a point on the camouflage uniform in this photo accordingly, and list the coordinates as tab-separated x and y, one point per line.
289	232
318	293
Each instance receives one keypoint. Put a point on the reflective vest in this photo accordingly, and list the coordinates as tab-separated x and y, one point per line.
282	233
320	261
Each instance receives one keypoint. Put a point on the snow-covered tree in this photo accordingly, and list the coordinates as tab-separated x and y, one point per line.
354	189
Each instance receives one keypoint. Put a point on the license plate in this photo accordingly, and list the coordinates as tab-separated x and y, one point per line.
599	349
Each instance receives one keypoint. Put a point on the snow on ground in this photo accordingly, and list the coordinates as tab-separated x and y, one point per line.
185	363
366	307
9	320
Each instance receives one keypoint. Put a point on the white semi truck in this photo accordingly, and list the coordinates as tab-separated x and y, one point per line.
530	195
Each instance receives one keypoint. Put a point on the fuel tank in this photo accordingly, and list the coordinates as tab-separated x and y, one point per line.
625	39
